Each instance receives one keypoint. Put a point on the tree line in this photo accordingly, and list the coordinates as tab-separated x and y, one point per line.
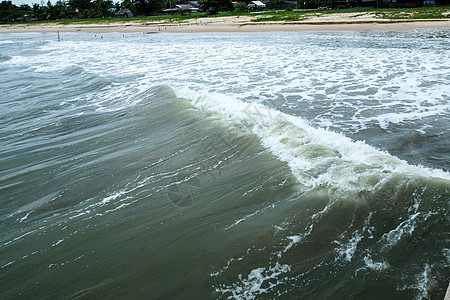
76	9
84	9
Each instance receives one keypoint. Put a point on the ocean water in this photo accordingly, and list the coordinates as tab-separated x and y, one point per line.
280	165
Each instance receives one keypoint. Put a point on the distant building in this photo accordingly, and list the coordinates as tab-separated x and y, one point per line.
256	5
191	6
187	7
124	13
429	3
194	4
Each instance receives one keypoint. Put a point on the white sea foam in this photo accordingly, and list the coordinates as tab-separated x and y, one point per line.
259	281
307	69
369	263
7	264
378	266
348	249
6	42
405	228
347	88
424	281
317	157
245	218
294	240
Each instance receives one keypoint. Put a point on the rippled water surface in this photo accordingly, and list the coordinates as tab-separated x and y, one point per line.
225	165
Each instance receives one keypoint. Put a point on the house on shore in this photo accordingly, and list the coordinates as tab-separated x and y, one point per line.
124	13
256	5
191	6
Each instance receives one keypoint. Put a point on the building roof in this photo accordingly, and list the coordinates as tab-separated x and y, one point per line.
123	11
186	7
257	3
194	4
183	7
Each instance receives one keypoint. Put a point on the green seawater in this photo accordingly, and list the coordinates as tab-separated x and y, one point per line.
225	166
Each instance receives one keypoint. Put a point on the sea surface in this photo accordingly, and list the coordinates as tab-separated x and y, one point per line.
287	165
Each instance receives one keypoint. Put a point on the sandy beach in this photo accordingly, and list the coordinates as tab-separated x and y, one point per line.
329	22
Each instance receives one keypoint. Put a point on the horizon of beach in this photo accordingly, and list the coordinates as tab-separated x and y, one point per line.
331	22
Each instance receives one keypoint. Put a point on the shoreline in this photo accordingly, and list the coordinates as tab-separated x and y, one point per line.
232	24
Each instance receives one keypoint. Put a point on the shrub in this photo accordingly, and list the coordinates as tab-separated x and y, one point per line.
240	7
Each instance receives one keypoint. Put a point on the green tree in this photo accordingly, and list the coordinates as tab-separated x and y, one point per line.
130	4
313	3
240	7
82	8
103	7
26	12
8	11
80	4
214	6
276	4
148	7
61	10
38	11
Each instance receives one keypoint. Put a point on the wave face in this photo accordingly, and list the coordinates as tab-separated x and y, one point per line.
225	166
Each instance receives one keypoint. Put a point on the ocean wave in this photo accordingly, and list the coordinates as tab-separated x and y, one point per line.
308	212
317	157
338	177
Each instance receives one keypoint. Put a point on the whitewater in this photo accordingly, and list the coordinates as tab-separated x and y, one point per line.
291	165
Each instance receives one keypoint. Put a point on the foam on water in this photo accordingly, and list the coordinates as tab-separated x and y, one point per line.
309	69
258	282
317	157
347	83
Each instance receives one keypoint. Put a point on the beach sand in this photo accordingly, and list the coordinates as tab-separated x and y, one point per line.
329	22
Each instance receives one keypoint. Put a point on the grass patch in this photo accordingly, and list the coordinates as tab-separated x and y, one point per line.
440	12
300	15
141	19
281	17
169	18
348	10
98	21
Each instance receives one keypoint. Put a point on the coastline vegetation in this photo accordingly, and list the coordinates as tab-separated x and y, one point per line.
440	12
437	12
101	14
